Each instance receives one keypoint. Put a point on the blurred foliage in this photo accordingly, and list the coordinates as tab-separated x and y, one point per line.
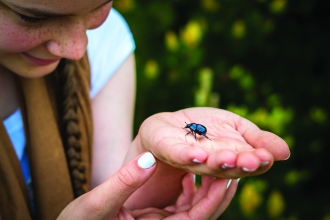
267	60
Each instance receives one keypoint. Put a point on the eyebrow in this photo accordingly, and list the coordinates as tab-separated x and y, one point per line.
46	13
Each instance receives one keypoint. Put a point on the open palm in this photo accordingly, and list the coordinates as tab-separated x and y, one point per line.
237	147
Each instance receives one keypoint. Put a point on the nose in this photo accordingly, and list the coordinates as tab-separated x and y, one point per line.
69	41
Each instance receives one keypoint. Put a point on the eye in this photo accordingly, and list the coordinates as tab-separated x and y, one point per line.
31	20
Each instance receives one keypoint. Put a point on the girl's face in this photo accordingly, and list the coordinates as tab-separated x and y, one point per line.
36	34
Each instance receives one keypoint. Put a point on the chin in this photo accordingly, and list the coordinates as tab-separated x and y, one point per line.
34	71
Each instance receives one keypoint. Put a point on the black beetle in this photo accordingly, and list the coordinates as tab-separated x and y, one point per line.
197	129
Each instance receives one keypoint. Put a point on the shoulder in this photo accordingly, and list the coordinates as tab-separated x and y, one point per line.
108	47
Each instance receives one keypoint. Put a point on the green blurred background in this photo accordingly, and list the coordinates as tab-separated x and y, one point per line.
267	60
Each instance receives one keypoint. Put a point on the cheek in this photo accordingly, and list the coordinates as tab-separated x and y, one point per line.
15	39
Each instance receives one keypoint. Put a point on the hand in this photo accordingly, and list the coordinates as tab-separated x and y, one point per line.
106	201
207	202
238	147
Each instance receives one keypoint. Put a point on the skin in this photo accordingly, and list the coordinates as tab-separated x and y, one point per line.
42	39
206	202
238	147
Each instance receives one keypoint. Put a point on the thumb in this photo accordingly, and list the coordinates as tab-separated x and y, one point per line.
110	196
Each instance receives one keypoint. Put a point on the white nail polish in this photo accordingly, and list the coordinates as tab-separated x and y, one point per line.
264	163
196	161
146	161
238	180
247	170
229	182
288	157
225	166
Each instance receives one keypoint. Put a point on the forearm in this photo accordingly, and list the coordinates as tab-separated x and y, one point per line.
161	190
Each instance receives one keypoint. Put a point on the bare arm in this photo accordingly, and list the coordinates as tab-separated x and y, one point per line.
113	109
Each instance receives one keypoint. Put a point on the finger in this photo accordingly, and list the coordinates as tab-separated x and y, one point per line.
263	139
230	165
106	200
222	160
149	213
204	188
186	203
208	205
231	190
265	157
124	214
248	163
188	192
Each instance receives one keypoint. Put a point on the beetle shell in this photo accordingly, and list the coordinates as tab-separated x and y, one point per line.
197	129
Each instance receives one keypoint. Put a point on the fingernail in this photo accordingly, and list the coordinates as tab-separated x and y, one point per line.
264	163
146	161
238	180
225	166
196	161
229	182
247	170
288	157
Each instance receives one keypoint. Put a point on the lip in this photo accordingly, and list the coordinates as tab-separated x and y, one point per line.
38	61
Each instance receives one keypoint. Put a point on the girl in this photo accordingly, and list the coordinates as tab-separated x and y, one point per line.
52	91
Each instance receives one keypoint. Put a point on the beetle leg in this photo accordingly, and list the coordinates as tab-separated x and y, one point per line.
207	137
195	136
188	133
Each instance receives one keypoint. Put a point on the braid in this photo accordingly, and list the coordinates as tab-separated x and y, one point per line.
71	132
